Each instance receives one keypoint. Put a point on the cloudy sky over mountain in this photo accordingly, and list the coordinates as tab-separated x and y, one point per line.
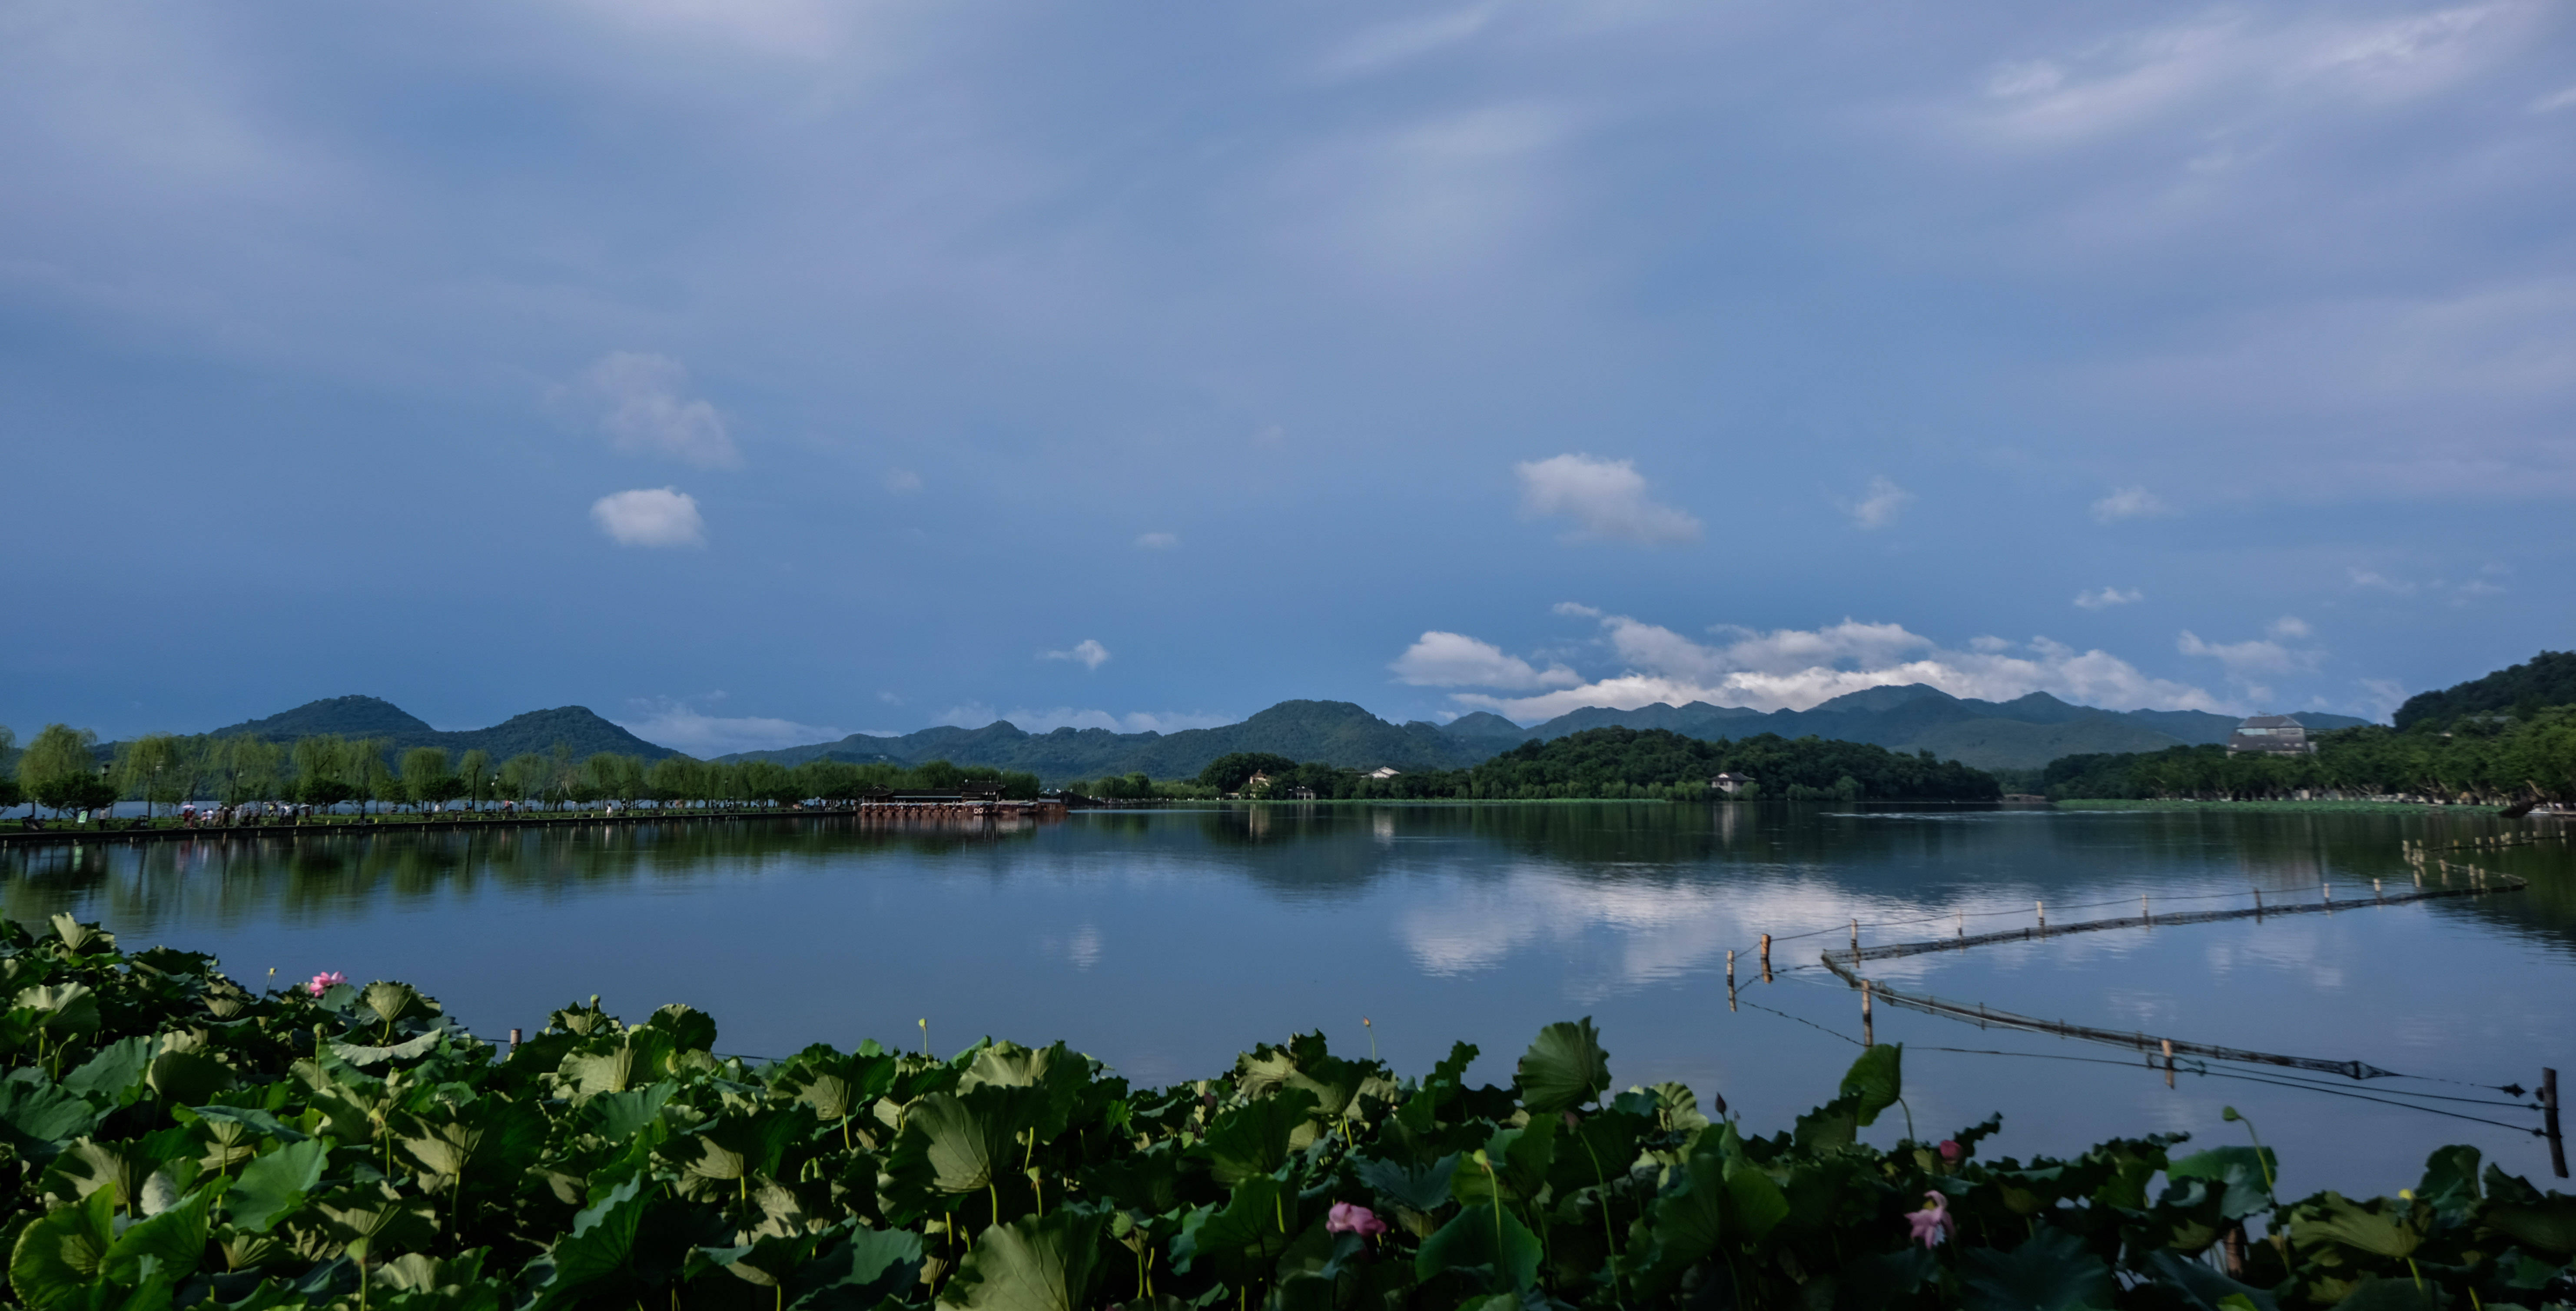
745	369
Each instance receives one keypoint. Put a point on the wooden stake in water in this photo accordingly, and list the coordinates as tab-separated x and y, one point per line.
2258	904
2329	891
2145	913
514	1040
1766	958
1730	978
1855	939
2169	1062
2042	908
2375	893
2548	1121
1867	1039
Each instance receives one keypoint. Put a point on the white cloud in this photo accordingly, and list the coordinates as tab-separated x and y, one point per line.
2554	101
1158	541
1086	653
675	724
2381	696
2129	503
1879	508
2108	597
1390	44
1605	498
1576	610
1438	659
2459	593
1797	668
2248	661
638	402
650	516
1032	720
902	482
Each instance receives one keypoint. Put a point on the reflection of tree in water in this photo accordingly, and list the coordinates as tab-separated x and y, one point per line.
234	879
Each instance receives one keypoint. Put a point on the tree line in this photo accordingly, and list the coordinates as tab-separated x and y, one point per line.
1626	763
2484	758
63	768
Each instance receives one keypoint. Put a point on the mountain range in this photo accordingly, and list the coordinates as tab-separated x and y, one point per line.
580	731
2024	733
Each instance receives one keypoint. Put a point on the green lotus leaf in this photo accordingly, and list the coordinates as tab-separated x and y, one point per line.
2549	1224
61	1009
114	1075
2202	1288
415	1272
2051	1271
2375	1228
1520	1159
953	1144
1146	1181
601	1243
1684	1223
2450	1183
618	1116
690	1029
89	1166
1563	1068
370	1221
1254	1138
390	1001
249	1120
86	939
1597	1151
1239	1240
172	1242
1888	1279
38	1120
2238	1171
1033	1264
1423	1187
2399	1294
57	1257
640	1056
410	1049
187	1078
1875	1082
857	1271
1482	1236
274	1186
1677	1107
1755	1204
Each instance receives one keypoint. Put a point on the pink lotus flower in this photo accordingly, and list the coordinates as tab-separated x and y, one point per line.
1934	1224
1349	1219
1951	1151
322	982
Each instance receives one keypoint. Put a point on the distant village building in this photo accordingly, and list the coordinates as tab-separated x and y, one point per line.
1383	773
2270	735
1731	783
1257	782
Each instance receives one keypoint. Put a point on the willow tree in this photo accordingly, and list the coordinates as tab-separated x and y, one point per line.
60	769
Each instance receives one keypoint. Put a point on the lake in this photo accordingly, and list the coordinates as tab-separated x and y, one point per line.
1166	941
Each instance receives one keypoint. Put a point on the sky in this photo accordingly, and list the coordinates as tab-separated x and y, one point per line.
762	371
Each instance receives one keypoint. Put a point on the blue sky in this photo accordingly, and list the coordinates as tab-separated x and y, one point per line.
759	370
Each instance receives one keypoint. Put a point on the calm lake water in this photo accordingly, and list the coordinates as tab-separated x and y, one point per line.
1165	942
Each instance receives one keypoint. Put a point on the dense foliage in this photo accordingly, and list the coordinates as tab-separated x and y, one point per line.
2548	679
1656	763
175	1141
2478	758
59	769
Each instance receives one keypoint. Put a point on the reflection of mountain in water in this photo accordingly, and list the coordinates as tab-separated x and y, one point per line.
1805	862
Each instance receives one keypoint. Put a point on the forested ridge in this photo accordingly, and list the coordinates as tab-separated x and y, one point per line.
2477	759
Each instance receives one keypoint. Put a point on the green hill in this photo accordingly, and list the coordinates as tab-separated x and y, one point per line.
537	731
2547	679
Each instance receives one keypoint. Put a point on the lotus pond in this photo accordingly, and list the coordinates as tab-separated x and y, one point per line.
1163	942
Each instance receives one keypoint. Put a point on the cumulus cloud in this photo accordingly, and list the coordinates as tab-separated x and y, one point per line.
674	723
1794	669
976	715
1086	653
2254	659
1604	498
1158	541
1879	508
2129	503
2457	593
1438	659
650	516
1576	610
639	402
2108	597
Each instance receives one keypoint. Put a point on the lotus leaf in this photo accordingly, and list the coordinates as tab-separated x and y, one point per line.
2239	1171
1887	1279
172	1242
187	1078
600	1244
690	1029
640	1056
89	1166
1423	1188
113	1076
2377	1228
1239	1240
1755	1203
62	1009
1563	1068
953	1145
1033	1264
274	1186
618	1116
370	1221
2549	1225
2051	1271
1685	1222
39	1119
1481	1236
58	1256
1875	1082
2388	1295
2450	1183
1256	1137
86	939
2201	1288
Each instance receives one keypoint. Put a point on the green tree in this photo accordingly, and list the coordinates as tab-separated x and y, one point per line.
60	767
475	772
426	780
1227	773
159	769
524	776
